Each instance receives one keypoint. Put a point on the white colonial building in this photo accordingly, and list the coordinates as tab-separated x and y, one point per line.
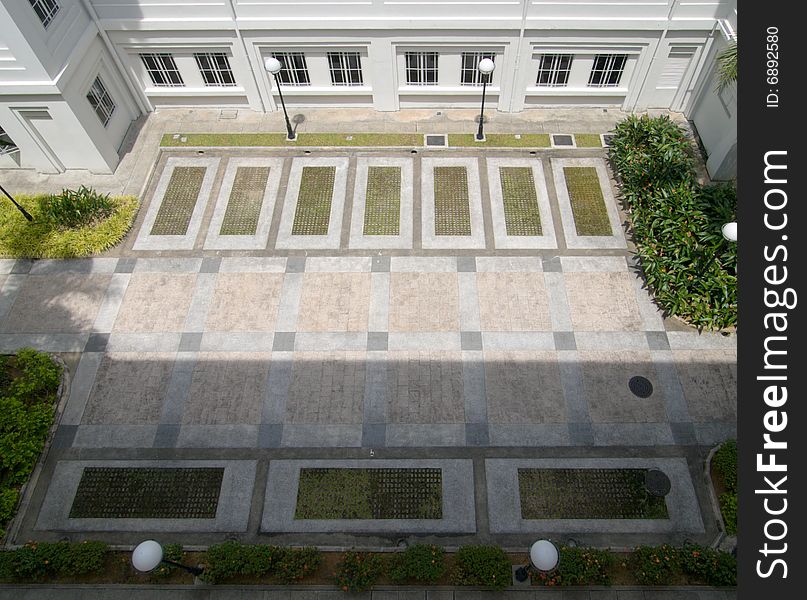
75	73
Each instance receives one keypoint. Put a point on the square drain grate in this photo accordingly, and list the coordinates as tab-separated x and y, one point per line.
435	140
562	140
228	113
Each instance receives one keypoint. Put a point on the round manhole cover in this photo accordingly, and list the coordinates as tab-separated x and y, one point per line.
657	483
640	386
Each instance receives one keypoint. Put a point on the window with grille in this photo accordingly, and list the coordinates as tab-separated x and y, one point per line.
607	70
215	69
162	70
554	70
345	68
470	75
421	68
294	70
46	10
101	101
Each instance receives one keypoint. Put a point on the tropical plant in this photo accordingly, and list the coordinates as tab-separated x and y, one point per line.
727	66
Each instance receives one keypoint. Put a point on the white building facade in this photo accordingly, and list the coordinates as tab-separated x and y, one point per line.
75	73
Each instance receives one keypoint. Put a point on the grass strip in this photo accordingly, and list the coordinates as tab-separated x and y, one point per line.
244	204
501	140
452	212
303	139
588	140
588	204
521	214
313	213
382	208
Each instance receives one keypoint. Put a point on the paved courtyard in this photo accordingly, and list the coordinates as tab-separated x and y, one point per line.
278	313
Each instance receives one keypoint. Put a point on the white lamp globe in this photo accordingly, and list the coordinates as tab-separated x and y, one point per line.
147	555
272	65
729	231
486	66
544	555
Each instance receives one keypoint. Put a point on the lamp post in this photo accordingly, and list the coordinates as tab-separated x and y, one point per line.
274	66
729	231
24	212
485	67
148	555
544	557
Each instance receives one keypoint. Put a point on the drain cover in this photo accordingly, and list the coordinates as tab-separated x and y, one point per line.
640	386
437	140
657	483
562	140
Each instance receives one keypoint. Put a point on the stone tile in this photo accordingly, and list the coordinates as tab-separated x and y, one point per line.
295	264
374	435
125	265
564	340
423	302
56	303
245	302
129	389
377	340
477	434
283	341
684	434
471	340
602	302
381	264
524	387
605	381
334	302
22	266
466	264
190	341
210	264
155	302
657	340
709	381
270	435
167	435
326	388
425	387
227	388
513	302
97	342
64	436
553	265
581	434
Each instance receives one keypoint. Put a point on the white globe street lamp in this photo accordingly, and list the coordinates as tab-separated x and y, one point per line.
485	67
544	557
148	555
729	231
274	66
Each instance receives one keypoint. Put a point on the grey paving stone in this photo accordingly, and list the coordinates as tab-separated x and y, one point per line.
97	342
581	434
466	264
603	595
630	595
564	340
22	266
553	265
439	595
167	436
270	435
125	265
381	264
684	434
283	341
471	340
377	340
190	341
374	435
295	264
477	434
210	264
657	340
64	436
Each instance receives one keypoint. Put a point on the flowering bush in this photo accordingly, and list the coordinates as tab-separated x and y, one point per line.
358	571
36	561
422	563
487	566
578	566
655	565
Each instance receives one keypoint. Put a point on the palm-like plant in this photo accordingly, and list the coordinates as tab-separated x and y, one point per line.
727	66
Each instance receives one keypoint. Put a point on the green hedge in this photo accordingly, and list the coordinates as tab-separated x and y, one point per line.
660	565
579	566
486	566
689	266
358	571
422	563
724	463
37	561
232	560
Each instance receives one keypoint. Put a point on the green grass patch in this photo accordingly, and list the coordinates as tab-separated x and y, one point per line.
370	494
521	214
29	381
452	211
303	139
382	208
244	205
588	204
179	201
313	213
587	494
44	239
501	140
588	140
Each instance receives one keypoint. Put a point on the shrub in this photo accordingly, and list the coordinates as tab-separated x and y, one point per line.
358	571
708	565
297	563
232	559
655	565
579	566
724	462
421	562
34	561
171	552
728	508
76	208
8	504
487	566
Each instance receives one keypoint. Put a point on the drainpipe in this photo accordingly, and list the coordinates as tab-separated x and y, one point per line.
248	56
663	37
142	103
516	65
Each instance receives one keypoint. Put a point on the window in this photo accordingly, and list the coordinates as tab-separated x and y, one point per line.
607	70
101	101
46	10
162	69
345	68
421	68
215	69
294	71
470	74
554	70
